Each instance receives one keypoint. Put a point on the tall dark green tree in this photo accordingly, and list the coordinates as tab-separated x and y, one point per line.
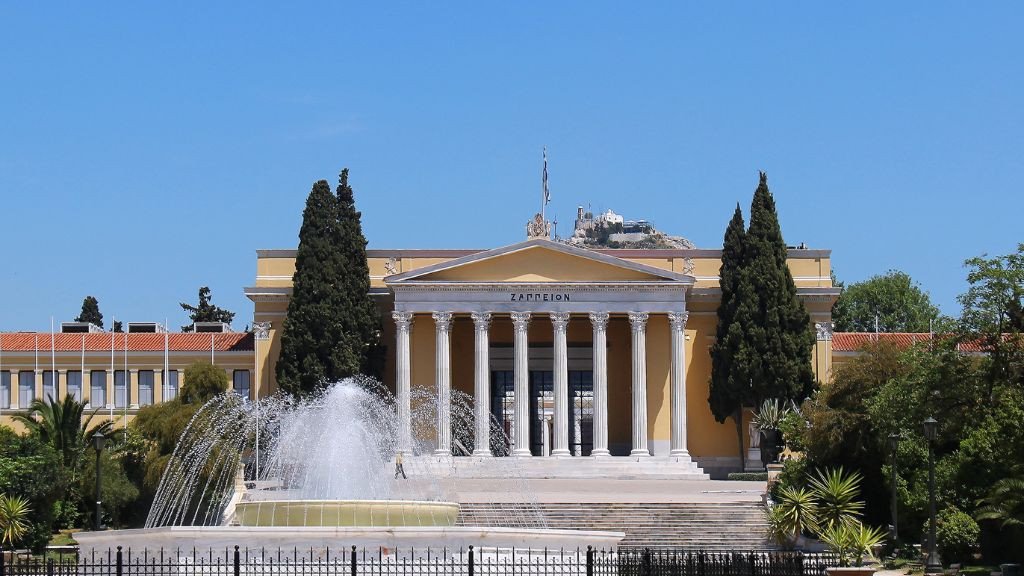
779	338
205	311
729	388
364	352
90	312
311	329
332	328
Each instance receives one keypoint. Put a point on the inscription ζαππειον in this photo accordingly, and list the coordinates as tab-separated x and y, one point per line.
538	297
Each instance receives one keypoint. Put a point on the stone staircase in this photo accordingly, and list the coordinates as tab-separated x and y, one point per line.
695	526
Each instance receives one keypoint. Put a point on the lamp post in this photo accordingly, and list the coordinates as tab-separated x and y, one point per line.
98	441
933	565
894	443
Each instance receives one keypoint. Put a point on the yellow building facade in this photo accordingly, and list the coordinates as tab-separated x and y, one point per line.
592	360
597	360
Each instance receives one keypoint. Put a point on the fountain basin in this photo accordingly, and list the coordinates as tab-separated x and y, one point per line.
345	513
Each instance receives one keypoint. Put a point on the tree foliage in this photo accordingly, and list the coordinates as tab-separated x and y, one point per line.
31	470
205	311
898	303
778	337
14	511
332	328
978	400
729	389
60	424
993	313
90	312
203	381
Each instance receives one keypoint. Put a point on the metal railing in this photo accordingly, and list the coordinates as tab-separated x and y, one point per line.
241	561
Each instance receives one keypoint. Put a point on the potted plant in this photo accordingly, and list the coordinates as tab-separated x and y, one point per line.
852	542
767	419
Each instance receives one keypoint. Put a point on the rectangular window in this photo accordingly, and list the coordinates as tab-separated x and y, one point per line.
240	383
145	387
74	384
98	388
50	379
170	385
5	389
26	388
120	389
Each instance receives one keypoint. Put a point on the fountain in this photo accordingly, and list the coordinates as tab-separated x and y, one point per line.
319	473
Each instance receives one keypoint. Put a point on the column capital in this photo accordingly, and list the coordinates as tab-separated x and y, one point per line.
823	330
560	320
678	320
481	320
638	321
443	320
261	330
403	320
599	320
520	320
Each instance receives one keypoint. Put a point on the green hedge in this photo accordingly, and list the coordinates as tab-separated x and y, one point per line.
748	476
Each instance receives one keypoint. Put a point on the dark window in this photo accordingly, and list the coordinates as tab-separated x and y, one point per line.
5	389
120	389
145	387
50	379
74	384
240	383
170	385
98	388
26	388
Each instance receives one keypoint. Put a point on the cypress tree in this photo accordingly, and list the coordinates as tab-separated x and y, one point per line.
363	351
91	311
312	332
729	388
776	352
332	330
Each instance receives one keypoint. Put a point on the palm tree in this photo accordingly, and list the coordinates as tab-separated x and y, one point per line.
13	518
60	425
1005	502
836	493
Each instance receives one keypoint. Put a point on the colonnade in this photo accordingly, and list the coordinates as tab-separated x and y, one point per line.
521	431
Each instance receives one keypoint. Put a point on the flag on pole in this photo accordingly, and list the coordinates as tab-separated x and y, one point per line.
547	195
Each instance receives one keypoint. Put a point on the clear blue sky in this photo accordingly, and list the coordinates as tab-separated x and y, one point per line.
147	150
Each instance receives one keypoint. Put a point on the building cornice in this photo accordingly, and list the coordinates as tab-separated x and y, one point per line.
716	253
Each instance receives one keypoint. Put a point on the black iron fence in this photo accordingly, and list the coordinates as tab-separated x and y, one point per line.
240	561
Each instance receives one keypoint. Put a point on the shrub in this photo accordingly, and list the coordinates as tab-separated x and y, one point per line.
956	534
748	476
202	382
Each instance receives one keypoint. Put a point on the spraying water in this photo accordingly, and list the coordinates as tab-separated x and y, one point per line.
338	445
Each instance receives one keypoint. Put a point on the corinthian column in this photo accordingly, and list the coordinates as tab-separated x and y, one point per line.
600	399
560	320
403	379
677	323
443	378
638	323
521	374
481	384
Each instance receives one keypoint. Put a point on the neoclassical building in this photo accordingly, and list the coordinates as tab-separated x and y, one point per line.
595	361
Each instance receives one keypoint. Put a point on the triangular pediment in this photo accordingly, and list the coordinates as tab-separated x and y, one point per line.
538	261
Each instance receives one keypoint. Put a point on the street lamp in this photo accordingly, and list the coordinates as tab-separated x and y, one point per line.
97	442
933	565
894	443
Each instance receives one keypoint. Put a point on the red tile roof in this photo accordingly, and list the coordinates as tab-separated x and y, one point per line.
854	341
176	342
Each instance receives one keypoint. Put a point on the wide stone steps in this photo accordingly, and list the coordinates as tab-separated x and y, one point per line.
706	526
